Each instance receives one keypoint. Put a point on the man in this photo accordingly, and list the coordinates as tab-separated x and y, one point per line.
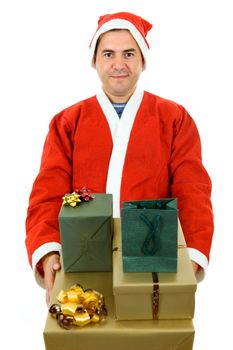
123	141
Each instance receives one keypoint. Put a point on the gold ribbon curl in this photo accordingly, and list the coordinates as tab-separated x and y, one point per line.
78	307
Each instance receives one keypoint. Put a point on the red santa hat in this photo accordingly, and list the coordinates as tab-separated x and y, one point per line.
137	26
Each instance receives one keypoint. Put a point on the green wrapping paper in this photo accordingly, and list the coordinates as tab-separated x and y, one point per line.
143	296
86	235
112	334
149	236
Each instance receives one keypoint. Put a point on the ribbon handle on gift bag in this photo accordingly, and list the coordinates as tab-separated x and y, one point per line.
151	243
149	204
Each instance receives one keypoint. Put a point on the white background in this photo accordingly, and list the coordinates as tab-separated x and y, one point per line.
45	68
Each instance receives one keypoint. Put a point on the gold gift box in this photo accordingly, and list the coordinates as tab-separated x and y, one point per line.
112	334
138	296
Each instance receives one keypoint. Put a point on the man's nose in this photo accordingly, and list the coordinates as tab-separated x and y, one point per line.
119	62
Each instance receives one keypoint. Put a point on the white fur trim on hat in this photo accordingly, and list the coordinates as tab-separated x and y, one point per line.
119	24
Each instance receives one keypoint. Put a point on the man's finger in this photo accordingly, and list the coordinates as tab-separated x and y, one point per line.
56	266
51	264
50	281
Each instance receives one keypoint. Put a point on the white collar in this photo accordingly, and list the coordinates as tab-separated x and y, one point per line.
120	131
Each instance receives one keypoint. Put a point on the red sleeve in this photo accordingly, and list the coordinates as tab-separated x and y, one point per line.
191	185
52	182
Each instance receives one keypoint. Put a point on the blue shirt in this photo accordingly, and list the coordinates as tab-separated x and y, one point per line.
119	107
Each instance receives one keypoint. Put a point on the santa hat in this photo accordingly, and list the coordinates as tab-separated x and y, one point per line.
137	26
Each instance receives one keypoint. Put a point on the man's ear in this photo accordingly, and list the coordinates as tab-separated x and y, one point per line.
143	62
94	61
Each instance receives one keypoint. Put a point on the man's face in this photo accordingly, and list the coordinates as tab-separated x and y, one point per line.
119	63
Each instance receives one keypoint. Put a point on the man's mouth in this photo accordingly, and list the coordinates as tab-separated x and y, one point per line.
121	76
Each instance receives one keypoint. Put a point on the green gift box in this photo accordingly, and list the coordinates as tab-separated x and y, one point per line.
149	235
86	235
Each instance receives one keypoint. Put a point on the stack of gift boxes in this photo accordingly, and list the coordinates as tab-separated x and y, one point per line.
139	263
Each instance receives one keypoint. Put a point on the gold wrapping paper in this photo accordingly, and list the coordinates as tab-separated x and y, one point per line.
112	334
171	297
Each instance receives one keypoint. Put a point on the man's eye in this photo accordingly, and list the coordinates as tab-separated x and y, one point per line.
108	54
129	54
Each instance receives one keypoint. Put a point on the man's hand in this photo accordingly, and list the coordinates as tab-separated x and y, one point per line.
195	266
51	264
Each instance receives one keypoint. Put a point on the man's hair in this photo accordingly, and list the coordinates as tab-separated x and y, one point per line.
99	38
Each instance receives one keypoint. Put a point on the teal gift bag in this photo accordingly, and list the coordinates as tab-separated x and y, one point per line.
149	235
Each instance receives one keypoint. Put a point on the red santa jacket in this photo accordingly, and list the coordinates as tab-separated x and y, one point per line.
152	152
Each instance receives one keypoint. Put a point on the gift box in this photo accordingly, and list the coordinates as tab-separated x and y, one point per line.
149	235
113	334
153	295
86	235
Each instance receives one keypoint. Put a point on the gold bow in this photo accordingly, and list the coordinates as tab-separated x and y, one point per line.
71	199
78	307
